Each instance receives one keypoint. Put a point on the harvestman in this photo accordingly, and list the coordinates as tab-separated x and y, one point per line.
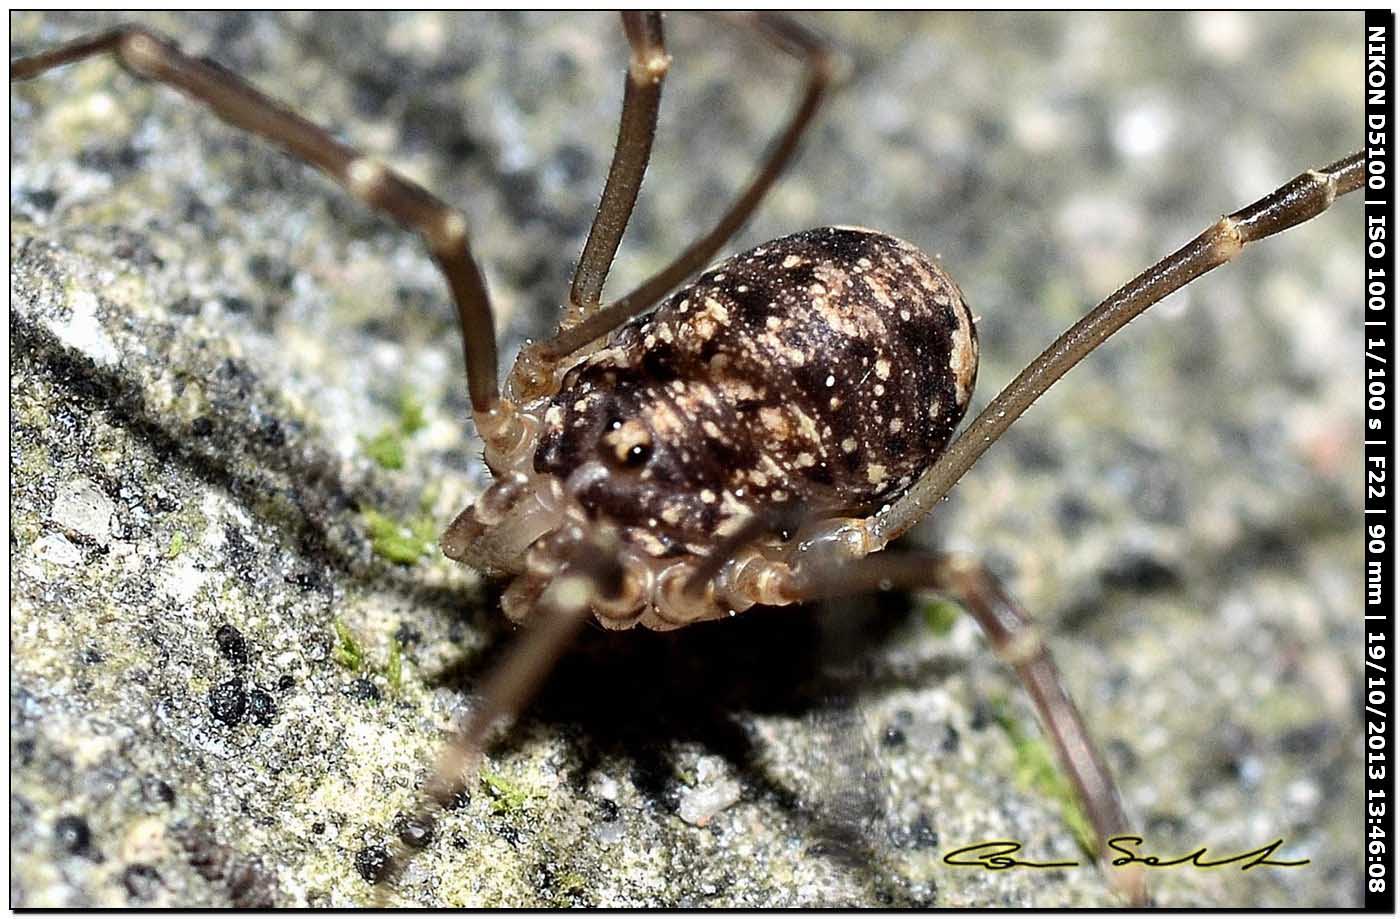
750	441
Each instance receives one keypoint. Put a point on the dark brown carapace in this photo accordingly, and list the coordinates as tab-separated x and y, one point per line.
821	372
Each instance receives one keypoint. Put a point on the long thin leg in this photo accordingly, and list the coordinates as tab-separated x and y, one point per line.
1300	200
443	229
512	683
1015	638
822	63
641	100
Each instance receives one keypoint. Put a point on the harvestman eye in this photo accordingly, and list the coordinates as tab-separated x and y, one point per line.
754	373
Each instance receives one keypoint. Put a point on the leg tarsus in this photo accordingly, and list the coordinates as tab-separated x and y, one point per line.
1015	638
1294	202
509	686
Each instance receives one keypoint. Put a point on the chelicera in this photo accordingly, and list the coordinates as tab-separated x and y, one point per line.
758	437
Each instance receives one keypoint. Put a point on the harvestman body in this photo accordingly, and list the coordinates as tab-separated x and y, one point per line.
753	439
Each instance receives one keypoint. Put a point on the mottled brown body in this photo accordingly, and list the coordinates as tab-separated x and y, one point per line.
824	370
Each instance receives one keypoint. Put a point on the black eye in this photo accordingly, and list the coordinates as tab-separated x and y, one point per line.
625	444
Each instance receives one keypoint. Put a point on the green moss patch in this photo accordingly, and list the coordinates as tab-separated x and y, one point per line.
400	543
1036	770
388	448
507	796
941	616
348	651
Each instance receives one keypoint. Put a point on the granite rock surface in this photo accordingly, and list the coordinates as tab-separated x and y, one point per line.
238	420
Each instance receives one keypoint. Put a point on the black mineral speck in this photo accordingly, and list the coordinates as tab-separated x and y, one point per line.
116	159
575	161
371	862
157	791
185	306
608	809
72	835
307	579
1123	757
228	702
271	433
261	708
196	212
892	738
924	836
41	199
1141	572
415	831
201	427
364	690
232	645
250	885
1306	739
407	635
274	272
951	741
285	682
140	882
1073	512
236	547
370	93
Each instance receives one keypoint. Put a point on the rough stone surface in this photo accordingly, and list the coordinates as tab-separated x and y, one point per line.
206	337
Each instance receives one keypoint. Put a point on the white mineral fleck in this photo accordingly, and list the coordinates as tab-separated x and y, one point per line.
183	580
81	507
56	548
83	331
714	791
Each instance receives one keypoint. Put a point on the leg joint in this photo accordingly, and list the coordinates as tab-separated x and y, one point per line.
1022	646
141	52
650	67
1226	240
448	233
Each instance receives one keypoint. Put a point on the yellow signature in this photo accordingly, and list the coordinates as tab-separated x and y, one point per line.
1000	854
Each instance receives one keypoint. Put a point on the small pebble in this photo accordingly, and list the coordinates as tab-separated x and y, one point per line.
83	508
371	862
228	702
72	835
415	831
232	645
140	882
925	836
261	708
363	689
157	791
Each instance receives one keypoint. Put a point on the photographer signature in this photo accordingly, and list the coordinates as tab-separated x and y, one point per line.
999	855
